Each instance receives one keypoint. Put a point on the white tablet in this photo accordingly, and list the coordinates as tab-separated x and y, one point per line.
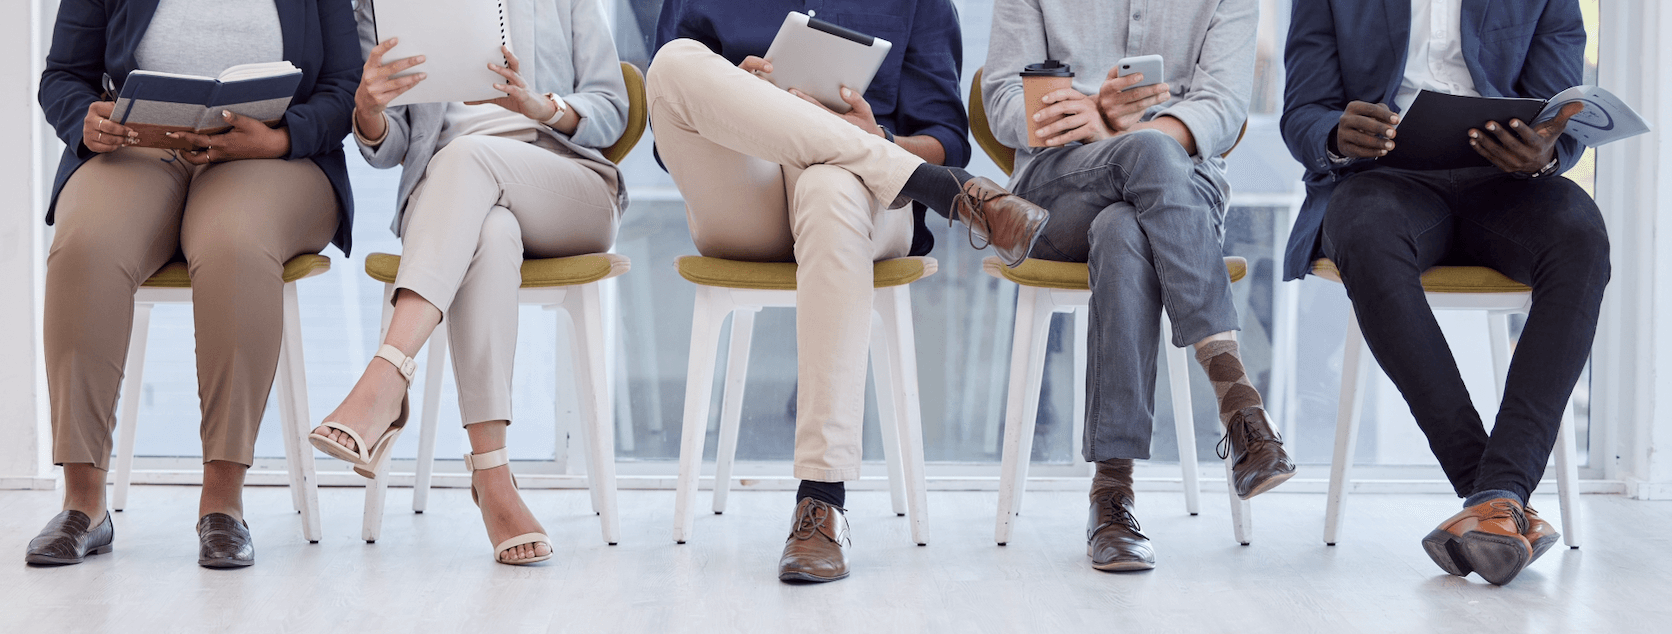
819	58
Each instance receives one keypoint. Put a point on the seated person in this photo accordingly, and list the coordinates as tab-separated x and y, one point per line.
1136	186
234	210
773	176
1383	227
484	185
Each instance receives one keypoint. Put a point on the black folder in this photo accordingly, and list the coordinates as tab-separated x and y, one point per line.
1434	132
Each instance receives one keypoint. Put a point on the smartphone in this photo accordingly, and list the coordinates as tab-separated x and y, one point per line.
1149	65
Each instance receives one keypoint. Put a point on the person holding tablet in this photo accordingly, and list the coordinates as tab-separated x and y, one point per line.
1134	179
235	209
768	175
482	184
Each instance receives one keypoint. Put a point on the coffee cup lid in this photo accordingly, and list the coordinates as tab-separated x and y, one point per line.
1048	68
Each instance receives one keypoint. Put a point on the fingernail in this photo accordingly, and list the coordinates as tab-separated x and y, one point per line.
1492	126
226	113
1395	119
1472	144
169	134
420	59
846	94
423	75
1473	134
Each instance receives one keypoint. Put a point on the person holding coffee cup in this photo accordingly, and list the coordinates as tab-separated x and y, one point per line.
1135	181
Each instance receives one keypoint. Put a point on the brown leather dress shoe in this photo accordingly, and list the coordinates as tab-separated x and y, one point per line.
69	538
997	217
1260	464
1485	538
816	549
1541	534
1112	538
224	542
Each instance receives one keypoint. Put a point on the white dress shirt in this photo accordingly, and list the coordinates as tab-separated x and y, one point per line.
1434	60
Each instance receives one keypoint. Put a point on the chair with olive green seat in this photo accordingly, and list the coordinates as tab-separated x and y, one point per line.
570	284
1447	288
740	289
1049	287
173	285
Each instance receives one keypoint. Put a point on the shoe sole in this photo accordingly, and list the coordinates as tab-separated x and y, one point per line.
1037	232
1496	558
808	577
43	560
1268	484
1542	545
222	564
1120	566
1447	552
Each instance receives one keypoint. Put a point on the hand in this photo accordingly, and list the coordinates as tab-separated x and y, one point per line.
100	134
756	66
859	111
378	87
248	139
1366	130
1529	148
1122	108
517	97
1076	116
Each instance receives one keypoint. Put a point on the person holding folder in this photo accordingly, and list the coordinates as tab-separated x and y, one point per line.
1347	89
482	185
234	209
770	175
1130	166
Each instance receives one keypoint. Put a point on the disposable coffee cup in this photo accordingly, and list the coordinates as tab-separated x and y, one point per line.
1039	80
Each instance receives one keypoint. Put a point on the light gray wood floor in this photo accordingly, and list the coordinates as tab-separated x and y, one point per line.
433	572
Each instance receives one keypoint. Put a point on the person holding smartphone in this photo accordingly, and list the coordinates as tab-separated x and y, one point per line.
1136	185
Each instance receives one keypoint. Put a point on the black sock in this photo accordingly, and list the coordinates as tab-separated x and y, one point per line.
833	493
936	186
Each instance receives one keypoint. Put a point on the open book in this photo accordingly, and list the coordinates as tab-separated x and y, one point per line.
1433	134
153	103
458	39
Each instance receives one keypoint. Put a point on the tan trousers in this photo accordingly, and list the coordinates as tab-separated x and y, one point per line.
124	215
484	202
768	177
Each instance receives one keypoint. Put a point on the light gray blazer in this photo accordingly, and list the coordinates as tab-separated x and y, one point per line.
565	48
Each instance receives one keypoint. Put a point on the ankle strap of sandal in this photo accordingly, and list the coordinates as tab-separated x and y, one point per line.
404	364
487	460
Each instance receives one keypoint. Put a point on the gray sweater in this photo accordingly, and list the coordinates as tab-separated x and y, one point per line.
1207	47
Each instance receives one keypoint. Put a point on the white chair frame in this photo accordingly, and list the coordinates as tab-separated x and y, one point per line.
1355	369
894	374
292	391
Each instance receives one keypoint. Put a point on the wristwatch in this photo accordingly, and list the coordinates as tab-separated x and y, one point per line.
561	108
886	133
1548	169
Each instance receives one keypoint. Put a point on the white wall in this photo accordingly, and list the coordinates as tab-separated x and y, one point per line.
23	458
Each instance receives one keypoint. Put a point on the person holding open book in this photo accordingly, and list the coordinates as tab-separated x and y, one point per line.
483	184
1348	89
233	205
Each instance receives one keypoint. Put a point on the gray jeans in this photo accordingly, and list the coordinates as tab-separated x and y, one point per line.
1149	223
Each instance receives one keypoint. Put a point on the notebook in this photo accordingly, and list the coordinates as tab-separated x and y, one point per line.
458	39
154	103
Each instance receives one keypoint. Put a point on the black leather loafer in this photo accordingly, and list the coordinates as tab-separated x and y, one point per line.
224	542
69	538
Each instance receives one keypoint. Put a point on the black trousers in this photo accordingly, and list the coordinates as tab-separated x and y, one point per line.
1384	227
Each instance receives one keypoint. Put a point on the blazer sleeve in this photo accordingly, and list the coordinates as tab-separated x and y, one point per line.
73	78
1555	62
600	94
1314	97
318	124
392	150
1018	36
1222	80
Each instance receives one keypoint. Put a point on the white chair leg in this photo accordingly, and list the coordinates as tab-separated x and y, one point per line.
585	308
1080	353
710	309
435	371
894	304
1567	478
731	402
610	301
287	424
883	382
582	433
132	386
296	418
1355	368
1027	371
1184	425
1497	333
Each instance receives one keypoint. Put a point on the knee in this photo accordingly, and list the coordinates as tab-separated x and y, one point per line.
673	60
500	235
461	151
1157	148
1362	216
821	184
1116	230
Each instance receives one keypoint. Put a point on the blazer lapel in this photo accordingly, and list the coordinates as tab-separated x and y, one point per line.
1398	14
137	19
290	25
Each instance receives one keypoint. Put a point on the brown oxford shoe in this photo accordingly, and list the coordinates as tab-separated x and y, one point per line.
1541	534
997	217
1112	538
1486	538
817	546
1260	462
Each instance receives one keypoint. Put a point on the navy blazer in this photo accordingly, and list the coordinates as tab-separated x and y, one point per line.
94	38
1341	51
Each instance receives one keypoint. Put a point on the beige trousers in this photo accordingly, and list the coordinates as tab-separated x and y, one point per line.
769	177
124	215
484	202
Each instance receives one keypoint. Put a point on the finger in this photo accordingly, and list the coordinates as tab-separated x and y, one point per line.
1062	125
102	109
1063	94
398	66
1486	147
755	64
374	59
241	122
510	59
114	129
1558	125
197	140
1072	129
855	100
1525	133
195	157
389	94
1368	126
1367	145
510	76
1381	112
1059	109
809	99
1503	136
1119	82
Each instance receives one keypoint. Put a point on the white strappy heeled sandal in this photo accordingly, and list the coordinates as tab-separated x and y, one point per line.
498	458
363	457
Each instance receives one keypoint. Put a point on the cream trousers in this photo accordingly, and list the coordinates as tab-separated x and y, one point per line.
485	201
769	177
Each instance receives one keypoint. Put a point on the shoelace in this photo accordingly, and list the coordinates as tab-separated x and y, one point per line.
978	213
810	519
1255	435
1110	503
1513	511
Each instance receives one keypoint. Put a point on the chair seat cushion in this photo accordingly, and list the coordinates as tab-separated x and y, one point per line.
1445	279
1072	276
780	276
541	273
175	275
